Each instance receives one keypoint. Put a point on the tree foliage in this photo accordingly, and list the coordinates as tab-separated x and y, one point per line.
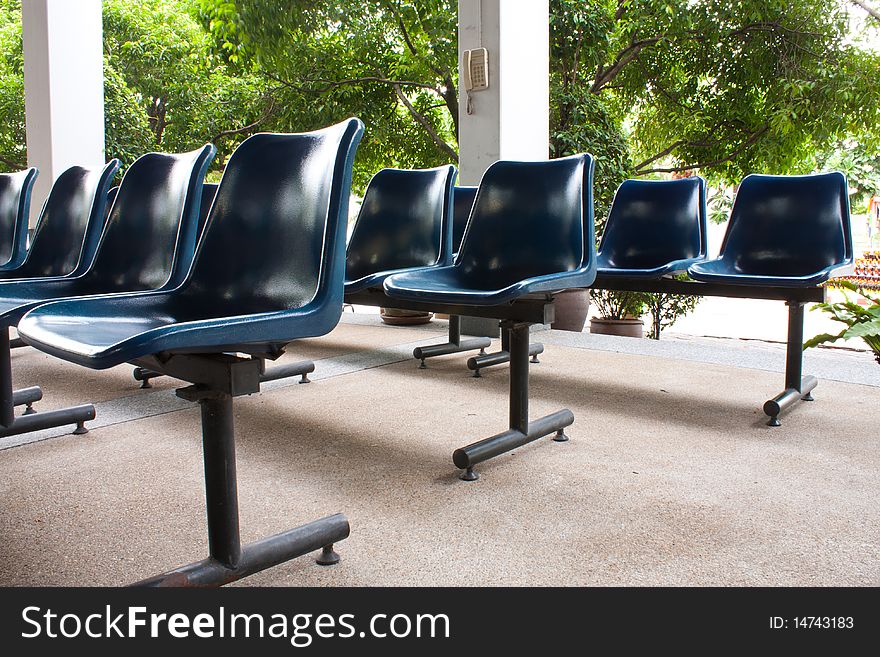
164	86
392	63
722	87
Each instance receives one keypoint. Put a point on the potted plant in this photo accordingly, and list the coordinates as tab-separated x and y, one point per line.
861	321
572	307
398	317
666	309
619	313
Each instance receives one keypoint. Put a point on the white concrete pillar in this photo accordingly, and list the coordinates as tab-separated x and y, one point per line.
64	88
511	119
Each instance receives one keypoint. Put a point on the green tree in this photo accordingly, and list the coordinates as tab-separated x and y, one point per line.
164	86
13	155
391	63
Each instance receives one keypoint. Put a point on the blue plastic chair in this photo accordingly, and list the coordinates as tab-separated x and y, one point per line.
209	191
404	223
15	205
147	244
531	230
462	203
530	234
70	224
269	270
785	232
654	228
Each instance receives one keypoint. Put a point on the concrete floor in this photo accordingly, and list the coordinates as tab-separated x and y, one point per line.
671	476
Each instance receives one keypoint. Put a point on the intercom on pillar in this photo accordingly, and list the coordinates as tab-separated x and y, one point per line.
476	69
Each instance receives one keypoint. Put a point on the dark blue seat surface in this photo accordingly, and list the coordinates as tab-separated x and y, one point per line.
70	224
462	204
15	204
785	231
147	242
654	228
531	230
269	267
404	222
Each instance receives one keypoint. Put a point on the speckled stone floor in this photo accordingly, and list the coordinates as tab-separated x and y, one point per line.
671	476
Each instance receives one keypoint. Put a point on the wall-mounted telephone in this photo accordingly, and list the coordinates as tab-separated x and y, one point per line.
476	69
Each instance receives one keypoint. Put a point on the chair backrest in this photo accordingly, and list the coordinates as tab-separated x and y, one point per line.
462	203
150	235
655	223
789	225
111	196
15	205
71	222
530	219
404	221
275	237
209	191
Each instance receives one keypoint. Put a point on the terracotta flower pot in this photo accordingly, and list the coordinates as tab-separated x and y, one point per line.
397	317
572	307
630	328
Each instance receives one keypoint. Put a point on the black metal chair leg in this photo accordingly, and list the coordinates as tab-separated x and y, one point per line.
144	375
797	386
30	420
454	345
228	559
477	363
521	431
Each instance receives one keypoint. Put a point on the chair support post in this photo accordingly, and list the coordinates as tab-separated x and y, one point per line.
10	425
797	386
521	431
221	488
454	345
228	559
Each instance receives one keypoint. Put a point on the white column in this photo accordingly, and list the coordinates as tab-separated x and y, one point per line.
64	88
511	119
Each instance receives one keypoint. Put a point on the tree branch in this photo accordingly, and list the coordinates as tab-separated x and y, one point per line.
732	154
11	163
868	8
624	57
663	153
237	131
332	84
423	121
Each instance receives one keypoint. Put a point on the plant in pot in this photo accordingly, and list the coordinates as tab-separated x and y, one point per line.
860	321
619	313
666	309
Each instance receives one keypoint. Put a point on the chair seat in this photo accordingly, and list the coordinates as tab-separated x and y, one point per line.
376	279
450	285
18	297
721	270
97	334
677	267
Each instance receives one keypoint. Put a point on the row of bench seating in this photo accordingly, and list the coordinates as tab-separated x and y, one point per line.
209	297
786	236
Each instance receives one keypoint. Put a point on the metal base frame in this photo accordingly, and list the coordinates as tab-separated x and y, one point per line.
477	363
30	420
454	345
218	379
521	431
797	386
301	369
